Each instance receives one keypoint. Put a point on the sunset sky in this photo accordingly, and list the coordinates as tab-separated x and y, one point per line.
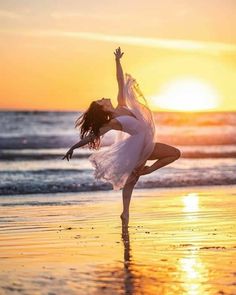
58	55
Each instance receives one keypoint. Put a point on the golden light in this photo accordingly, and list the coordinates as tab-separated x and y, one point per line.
191	201
186	94
192	273
189	266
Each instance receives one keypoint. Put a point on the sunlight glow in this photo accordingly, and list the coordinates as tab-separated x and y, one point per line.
186	94
193	271
191	201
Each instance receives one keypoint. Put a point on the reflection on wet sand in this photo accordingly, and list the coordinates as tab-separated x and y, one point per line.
193	275
189	276
128	276
191	202
178	242
178	253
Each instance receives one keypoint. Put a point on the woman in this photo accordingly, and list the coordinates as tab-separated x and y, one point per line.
123	162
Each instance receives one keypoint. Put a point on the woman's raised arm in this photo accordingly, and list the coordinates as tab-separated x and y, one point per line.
120	78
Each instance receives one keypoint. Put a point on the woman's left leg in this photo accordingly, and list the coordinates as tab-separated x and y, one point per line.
165	154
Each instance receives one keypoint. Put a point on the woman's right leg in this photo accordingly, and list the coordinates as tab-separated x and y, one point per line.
126	195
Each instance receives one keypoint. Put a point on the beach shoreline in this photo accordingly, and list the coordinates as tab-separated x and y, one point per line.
178	240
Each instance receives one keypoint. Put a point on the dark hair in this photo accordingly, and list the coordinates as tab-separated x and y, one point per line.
91	121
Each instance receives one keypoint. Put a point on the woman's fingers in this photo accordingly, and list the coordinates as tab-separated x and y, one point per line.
118	52
65	157
68	156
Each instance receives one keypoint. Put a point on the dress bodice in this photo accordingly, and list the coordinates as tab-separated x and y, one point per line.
129	124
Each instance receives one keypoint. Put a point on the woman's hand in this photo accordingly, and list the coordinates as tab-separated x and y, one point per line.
68	155
118	53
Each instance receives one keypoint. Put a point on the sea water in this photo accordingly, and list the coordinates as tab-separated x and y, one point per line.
32	145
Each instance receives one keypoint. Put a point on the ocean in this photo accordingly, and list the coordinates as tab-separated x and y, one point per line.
32	144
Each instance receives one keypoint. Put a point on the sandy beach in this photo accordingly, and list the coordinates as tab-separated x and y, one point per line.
180	241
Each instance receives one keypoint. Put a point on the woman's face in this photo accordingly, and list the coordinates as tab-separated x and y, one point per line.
105	102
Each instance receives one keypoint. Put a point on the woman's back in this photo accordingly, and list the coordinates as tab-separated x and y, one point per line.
127	121
129	124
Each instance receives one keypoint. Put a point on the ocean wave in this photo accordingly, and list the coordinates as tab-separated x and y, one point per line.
193	152
38	157
74	180
73	188
20	130
176	136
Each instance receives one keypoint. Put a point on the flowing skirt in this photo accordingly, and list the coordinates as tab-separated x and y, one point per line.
115	163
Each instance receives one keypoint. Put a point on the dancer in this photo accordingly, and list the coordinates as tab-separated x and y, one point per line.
123	162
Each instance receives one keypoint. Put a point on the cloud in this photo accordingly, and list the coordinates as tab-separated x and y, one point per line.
9	14
71	16
183	45
66	15
171	44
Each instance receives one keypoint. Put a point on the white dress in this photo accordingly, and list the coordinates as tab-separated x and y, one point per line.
115	163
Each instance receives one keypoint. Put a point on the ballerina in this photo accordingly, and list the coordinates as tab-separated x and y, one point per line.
123	162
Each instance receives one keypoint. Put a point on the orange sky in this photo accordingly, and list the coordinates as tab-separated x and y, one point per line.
59	55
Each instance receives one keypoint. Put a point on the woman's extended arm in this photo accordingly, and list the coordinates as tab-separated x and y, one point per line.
86	140
120	77
80	143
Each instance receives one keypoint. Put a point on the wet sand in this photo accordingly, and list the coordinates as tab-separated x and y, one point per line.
180	241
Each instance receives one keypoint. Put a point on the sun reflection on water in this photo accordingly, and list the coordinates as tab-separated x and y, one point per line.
193	272
191	205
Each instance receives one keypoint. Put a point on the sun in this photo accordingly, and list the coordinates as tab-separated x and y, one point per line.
186	94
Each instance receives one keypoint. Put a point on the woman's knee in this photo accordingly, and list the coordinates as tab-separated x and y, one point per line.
173	153
177	153
163	150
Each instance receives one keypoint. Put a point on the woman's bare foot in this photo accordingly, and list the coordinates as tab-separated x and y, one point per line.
125	219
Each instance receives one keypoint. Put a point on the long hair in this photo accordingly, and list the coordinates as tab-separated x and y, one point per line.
91	121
